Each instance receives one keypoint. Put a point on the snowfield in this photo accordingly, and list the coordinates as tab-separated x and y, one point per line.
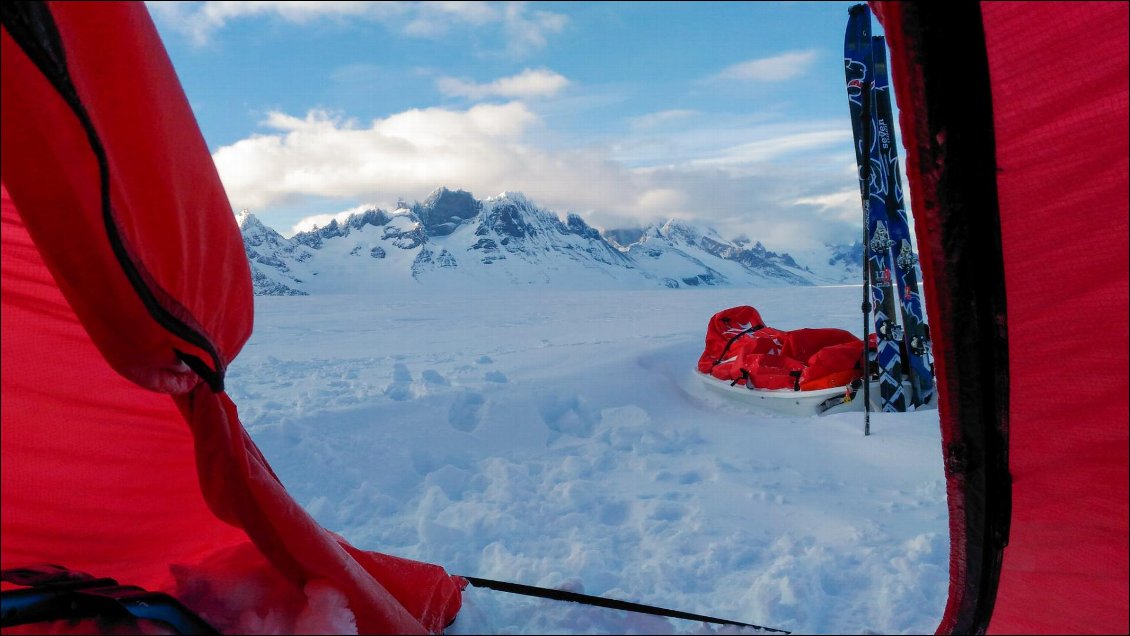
561	439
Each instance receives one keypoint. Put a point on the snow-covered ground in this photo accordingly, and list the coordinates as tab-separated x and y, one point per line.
561	439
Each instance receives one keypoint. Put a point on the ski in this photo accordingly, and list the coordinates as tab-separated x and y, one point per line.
879	265
920	371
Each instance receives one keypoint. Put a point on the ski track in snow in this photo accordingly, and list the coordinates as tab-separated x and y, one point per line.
561	439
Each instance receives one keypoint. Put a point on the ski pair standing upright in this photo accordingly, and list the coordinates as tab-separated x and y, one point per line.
889	260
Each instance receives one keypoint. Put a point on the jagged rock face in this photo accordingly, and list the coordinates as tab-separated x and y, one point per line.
512	227
452	239
444	210
333	229
676	240
262	285
577	225
268	251
848	255
506	221
756	257
260	241
405	238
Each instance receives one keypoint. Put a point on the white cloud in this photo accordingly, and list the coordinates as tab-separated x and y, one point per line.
528	84
652	120
526	30
529	30
662	202
762	150
491	148
409	153
842	205
199	21
769	69
434	19
733	142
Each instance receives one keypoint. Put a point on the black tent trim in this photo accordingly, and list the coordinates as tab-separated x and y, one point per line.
33	28
947	45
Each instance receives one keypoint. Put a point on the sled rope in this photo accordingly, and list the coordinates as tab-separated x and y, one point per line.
598	601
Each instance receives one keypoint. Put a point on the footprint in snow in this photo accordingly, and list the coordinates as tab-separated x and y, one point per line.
400	373
667	511
400	389
431	376
569	415
466	412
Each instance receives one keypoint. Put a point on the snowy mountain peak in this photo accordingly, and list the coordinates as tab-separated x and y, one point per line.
514	197
444	210
248	221
682	231
515	216
254	232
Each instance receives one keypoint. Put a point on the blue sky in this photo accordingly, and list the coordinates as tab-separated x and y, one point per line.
729	114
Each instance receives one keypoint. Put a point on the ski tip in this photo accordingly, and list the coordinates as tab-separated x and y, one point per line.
856	9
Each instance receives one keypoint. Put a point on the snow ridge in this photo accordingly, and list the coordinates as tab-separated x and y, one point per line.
451	240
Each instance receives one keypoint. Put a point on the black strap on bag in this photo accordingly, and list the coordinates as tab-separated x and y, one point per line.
52	592
746	377
722	356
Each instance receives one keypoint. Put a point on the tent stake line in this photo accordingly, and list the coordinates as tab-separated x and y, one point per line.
598	601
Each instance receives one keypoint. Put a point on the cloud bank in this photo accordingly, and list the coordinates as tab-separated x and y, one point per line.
762	186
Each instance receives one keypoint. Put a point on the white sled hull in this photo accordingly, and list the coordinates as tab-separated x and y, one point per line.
796	403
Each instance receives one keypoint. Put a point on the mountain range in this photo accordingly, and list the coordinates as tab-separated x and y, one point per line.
452	240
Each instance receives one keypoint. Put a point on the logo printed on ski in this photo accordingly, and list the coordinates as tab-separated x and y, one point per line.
906	259
881	239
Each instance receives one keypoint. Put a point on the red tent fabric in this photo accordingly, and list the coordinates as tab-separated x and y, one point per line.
1047	431
1059	76
126	293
